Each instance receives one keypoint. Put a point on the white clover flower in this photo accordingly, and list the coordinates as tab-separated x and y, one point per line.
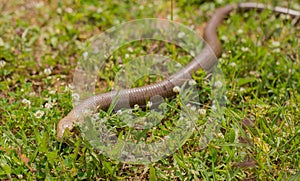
39	114
224	55
242	89
141	7
178	65
224	38
218	84
202	111
276	50
47	71
176	89
70	87
192	53
232	64
95	117
2	63
52	92
220	135
48	105
130	49
214	107
26	102
240	31
129	111
192	82
180	34
193	108
136	106
275	43
31	94
126	55
221	60
75	97
149	104
255	73
87	112
245	49
85	55
119	112
39	4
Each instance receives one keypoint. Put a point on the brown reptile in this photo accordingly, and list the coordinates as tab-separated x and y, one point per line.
205	60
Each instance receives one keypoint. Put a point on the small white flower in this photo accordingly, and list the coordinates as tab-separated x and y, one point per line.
87	112
240	31
193	108
2	63
224	55
232	64
75	96
277	63
39	4
275	43
48	105
70	86
39	114
221	60
192	82
242	89
178	65
52	92
141	7
245	49
47	71
85	55
218	84
220	135
202	111
149	104
119	112
26	102
130	49
243	40
224	38
276	50
31	94
181	34
214	107
176	89
129	111
126	55
192	53
255	73
136	106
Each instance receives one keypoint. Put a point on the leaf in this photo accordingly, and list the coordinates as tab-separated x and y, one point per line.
180	162
242	81
52	156
152	176
107	165
262	144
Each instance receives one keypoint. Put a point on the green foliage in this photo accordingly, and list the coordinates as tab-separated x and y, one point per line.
41	43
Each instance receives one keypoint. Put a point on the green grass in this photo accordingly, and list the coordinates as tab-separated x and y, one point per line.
259	135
